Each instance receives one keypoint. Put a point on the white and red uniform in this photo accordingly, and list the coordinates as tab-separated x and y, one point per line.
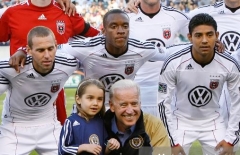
29	116
161	30
19	19
197	110
228	26
99	64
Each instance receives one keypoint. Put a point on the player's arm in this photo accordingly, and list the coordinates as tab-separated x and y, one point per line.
18	60
167	84
4	82
233	85
67	6
66	139
78	48
132	6
81	27
158	54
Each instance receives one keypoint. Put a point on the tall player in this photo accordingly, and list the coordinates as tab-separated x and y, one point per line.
159	25
196	114
29	121
17	20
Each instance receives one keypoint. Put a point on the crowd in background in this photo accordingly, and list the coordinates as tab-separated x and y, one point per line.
93	10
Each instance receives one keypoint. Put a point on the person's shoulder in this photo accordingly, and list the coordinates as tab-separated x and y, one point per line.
19	6
151	120
174	12
135	43
228	60
210	9
65	59
80	41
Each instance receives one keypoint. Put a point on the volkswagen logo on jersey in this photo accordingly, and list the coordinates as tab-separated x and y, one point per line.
166	33
37	100
200	96
157	42
110	79
60	27
129	69
231	40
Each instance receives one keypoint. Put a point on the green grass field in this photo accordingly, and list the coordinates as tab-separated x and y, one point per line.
195	150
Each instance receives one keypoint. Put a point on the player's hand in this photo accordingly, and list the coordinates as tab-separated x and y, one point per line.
223	148
178	150
112	144
67	6
220	46
19	58
132	6
91	148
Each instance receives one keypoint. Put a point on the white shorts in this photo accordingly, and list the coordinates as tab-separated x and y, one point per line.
21	140
208	140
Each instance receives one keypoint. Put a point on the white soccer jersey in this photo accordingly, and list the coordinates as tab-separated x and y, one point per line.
198	91
227	23
30	95
228	27
161	30
99	64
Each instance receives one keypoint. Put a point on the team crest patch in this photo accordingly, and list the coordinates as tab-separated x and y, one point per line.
214	83
93	139
55	86
129	69
166	33
60	27
136	142
162	88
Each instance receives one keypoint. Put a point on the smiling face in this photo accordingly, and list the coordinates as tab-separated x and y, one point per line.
91	102
203	38
116	30
126	105
43	51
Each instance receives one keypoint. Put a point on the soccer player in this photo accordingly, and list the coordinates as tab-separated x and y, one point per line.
29	117
113	56
17	20
196	113
227	15
159	25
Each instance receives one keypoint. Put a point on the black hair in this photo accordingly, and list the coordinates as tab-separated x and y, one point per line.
201	19
113	11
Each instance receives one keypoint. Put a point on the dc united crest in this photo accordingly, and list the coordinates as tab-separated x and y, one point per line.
129	69
55	86
166	33
214	83
60	27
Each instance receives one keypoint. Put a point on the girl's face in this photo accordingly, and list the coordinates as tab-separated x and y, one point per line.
91	101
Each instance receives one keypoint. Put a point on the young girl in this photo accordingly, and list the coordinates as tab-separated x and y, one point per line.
84	132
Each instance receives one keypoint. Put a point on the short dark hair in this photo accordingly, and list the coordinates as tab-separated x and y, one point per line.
38	31
201	19
113	11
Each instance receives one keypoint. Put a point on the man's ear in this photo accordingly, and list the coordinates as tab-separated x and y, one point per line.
217	34
189	37
111	106
28	50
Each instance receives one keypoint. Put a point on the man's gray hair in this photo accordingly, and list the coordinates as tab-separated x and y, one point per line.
123	84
